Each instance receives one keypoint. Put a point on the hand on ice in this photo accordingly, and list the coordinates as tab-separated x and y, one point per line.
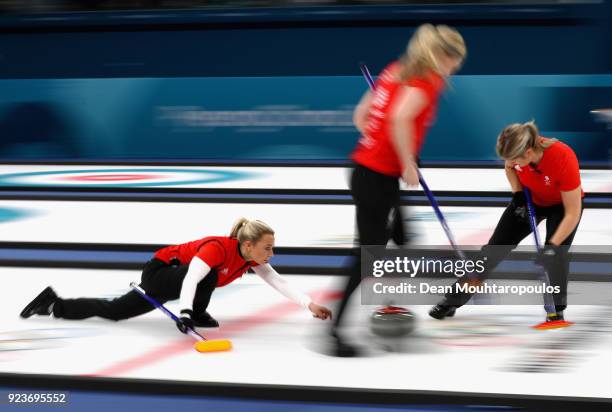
319	311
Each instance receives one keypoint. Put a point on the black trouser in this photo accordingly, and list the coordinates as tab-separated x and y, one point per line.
160	280
511	229
375	195
398	227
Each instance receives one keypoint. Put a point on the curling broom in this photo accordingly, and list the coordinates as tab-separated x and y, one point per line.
202	344
548	299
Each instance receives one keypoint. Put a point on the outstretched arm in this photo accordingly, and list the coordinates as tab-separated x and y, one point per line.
271	277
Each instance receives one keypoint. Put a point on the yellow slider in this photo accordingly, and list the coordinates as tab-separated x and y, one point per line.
213	345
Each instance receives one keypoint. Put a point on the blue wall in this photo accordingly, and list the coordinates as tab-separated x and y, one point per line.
168	86
279	117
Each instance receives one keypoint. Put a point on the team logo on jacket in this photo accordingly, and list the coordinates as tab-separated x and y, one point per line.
517	168
224	271
547	180
366	141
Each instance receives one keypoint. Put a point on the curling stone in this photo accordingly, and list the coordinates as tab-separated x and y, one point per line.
392	322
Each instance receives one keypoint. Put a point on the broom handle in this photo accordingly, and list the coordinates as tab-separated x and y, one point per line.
161	307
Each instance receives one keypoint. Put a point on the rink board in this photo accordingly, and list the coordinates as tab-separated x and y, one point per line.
295	225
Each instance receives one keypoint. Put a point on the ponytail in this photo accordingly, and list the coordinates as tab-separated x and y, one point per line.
424	47
253	230
516	138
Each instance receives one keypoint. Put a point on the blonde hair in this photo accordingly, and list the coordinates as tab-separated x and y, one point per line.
253	230
516	138
424	47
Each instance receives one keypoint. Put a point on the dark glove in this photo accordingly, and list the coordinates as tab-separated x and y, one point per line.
547	256
519	204
185	321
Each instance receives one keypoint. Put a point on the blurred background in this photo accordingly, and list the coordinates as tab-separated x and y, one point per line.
247	80
104	104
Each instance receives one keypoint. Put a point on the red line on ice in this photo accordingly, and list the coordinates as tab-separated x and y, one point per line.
229	330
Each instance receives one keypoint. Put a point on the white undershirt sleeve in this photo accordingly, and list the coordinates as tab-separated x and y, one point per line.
272	278
197	271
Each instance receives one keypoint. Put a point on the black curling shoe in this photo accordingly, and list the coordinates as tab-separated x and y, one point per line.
553	317
204	320
41	305
442	311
